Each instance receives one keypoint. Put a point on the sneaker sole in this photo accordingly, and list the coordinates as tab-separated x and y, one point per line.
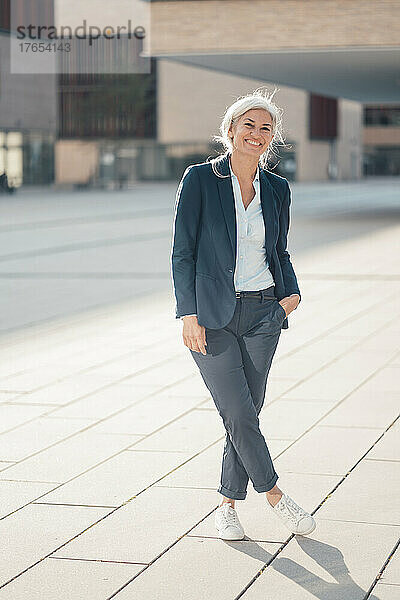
230	539
309	531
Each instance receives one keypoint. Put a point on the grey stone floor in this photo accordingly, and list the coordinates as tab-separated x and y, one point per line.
64	253
110	444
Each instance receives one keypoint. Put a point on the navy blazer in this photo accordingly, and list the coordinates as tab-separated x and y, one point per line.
203	253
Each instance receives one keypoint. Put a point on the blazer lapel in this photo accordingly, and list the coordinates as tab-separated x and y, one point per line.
269	204
227	200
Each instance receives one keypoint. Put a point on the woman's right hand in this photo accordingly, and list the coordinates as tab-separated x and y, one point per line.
194	335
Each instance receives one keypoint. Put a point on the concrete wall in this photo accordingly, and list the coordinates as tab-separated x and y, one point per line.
381	136
206	25
350	141
26	101
75	161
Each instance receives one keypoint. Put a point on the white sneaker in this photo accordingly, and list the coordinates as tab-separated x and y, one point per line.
296	519
227	523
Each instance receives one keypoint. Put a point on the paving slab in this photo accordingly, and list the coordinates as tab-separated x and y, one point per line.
358	498
387	448
7	396
291	418
279	385
385	381
148	415
359	409
63	392
324	349
383	591
200	568
338	379
162	375
190	386
31	533
370	322
70	457
144	527
140	360
15	494
326	563
31	379
103	403
189	433
327	450
295	364
36	436
13	415
118	479
391	574
66	579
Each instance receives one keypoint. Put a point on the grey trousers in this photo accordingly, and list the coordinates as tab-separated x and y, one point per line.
235	370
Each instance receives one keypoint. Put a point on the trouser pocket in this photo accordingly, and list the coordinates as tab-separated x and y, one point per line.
281	311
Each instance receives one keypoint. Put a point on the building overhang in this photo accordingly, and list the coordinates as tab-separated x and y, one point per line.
363	74
341	49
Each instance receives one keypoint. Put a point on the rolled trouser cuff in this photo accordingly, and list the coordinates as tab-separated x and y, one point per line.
231	494
268	486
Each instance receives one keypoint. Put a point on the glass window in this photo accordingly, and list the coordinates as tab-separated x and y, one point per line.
14	139
14	166
382	160
381	116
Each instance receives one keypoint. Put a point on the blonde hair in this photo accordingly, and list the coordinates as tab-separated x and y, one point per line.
258	99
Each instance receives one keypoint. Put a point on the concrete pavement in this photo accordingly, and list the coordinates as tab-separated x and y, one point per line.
63	253
110	448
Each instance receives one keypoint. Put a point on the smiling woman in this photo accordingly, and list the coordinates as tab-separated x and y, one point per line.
235	287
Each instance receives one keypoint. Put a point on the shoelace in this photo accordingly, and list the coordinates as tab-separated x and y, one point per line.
291	510
229	514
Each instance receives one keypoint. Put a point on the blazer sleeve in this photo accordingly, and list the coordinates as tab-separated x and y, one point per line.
185	229
289	276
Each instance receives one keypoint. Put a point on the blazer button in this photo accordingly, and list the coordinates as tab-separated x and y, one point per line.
230	270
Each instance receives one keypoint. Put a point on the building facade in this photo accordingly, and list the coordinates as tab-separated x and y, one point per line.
381	140
323	135
28	115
